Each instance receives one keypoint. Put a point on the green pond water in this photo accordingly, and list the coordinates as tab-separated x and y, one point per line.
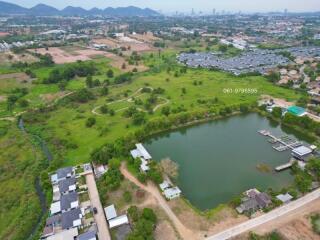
218	160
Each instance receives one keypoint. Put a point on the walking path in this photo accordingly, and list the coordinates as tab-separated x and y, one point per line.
129	99
100	219
276	213
184	232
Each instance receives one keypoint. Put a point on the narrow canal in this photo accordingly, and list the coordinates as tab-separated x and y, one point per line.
220	159
38	188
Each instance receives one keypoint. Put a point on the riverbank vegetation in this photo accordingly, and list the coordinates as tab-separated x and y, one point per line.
192	96
19	163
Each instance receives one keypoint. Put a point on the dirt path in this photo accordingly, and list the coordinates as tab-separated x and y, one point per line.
129	99
184	232
103	231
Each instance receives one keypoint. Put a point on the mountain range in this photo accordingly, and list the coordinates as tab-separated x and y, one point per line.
45	10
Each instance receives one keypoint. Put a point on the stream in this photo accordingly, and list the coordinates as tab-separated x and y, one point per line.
39	190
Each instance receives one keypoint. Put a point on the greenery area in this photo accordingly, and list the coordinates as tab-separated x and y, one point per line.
75	134
144	223
270	236
19	163
315	220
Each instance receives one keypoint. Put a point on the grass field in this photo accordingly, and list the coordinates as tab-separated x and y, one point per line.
71	141
68	124
19	204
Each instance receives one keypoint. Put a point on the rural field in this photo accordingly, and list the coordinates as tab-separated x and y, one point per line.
56	116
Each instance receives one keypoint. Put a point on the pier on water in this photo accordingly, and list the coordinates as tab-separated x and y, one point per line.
281	143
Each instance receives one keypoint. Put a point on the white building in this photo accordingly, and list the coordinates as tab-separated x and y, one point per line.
171	193
118	221
142	153
110	212
284	198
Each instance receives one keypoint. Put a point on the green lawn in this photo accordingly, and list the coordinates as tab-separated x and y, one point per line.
68	124
19	204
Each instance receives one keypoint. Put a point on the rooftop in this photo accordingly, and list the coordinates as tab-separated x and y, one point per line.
71	218
69	200
68	184
301	151
110	212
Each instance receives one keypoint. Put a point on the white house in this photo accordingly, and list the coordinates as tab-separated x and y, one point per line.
142	153
110	212
118	221
171	193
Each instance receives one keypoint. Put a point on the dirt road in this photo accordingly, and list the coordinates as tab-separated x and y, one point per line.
273	215
184	232
100	219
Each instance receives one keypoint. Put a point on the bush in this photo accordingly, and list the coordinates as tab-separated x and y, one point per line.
127	196
90	122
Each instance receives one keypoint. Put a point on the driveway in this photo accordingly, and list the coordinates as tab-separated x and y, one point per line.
274	214
184	232
100	219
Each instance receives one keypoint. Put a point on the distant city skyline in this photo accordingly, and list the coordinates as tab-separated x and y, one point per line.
186	6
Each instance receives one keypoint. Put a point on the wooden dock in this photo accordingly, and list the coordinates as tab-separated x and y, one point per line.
285	166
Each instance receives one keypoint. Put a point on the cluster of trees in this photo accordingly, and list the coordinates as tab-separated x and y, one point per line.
138	117
122	78
110	181
44	61
144	223
303	122
81	96
68	72
15	97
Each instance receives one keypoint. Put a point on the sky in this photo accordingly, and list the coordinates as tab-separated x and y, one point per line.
186	5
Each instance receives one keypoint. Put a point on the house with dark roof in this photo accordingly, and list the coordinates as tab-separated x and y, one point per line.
62	173
255	200
263	199
69	201
90	235
71	218
67	185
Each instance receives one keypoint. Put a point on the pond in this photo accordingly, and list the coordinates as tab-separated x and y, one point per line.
220	159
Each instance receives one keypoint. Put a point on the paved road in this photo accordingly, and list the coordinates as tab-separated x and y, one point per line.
184	232
278	212
100	219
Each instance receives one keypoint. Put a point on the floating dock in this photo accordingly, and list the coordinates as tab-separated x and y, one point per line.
285	166
281	143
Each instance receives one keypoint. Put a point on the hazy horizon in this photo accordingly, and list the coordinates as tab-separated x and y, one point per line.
186	6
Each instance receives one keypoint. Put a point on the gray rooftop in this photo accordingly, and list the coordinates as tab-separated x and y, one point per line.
67	199
66	183
64	172
87	235
69	217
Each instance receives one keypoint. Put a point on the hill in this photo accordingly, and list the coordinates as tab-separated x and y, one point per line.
45	10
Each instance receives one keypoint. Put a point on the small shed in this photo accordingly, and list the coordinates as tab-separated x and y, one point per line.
118	221
110	212
284	198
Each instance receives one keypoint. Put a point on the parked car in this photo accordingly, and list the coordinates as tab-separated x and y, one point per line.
95	211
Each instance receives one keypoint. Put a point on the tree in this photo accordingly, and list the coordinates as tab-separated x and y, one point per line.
23	103
133	213
223	48
12	99
148	214
165	111
277	112
90	122
104	91
104	109
110	73
138	118
89	82
169	167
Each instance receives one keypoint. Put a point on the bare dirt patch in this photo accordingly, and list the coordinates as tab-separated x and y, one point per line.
296	225
10	57
206	224
20	77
